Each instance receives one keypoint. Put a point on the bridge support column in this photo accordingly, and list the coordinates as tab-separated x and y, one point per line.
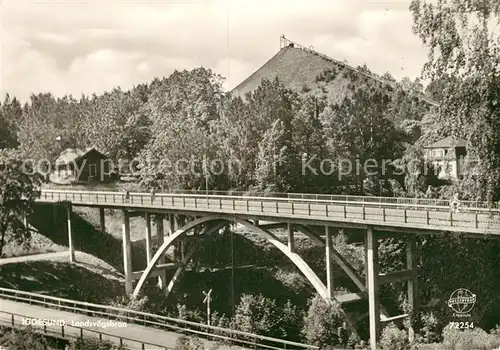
372	269
147	218
329	267
411	263
171	224
102	218
70	235
291	241
127	253
160	234
179	246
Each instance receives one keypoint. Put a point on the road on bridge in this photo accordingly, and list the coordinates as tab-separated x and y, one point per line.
159	339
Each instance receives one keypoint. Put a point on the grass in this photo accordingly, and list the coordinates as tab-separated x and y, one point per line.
60	279
51	222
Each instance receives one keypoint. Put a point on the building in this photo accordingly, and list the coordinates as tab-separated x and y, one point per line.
447	157
77	166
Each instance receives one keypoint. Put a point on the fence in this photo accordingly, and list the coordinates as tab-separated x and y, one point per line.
367	200
247	340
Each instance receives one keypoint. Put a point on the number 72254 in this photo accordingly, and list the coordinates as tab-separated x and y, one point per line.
461	325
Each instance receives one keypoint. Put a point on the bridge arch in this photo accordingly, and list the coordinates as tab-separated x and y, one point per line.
179	233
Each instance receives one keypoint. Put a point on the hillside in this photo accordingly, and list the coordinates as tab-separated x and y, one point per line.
305	70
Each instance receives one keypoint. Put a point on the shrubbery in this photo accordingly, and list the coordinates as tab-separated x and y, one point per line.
324	324
393	338
28	339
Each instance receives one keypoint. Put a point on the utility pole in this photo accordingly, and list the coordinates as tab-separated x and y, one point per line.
207	301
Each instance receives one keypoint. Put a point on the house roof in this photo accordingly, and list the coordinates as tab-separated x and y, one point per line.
448	142
72	154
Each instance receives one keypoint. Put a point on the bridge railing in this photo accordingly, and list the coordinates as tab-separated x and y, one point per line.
224	335
309	196
70	332
163	199
476	220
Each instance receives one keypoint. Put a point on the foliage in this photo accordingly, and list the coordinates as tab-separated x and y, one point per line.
130	303
324	324
93	344
25	339
463	43
256	314
361	137
393	338
189	315
291	322
183	109
10	115
188	343
469	339
18	191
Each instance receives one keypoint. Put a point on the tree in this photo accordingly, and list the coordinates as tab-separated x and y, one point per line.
117	122
18	191
358	133
270	160
43	121
324	324
463	43
184	111
291	322
10	115
256	314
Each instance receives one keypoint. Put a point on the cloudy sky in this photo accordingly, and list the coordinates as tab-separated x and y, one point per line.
75	47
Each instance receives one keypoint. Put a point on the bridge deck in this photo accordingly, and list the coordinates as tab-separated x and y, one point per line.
405	214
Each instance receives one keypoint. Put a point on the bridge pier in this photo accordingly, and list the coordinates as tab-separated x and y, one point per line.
179	246
127	252
329	263
102	219
411	265
372	279
160	235
147	219
70	234
291	241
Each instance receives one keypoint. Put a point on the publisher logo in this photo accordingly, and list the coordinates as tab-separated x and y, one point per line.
462	301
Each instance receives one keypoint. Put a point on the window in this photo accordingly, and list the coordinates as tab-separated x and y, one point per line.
92	170
437	153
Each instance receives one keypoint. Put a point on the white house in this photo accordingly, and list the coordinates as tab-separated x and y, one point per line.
445	155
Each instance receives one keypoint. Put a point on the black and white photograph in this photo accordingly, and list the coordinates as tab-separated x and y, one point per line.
249	174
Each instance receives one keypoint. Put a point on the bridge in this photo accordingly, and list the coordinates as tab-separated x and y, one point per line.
315	216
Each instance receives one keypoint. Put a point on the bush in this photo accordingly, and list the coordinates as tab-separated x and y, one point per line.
256	314
430	327
324	324
393	338
93	344
188	343
130	303
26	339
469	339
189	315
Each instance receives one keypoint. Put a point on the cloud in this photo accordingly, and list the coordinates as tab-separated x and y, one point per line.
76	47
